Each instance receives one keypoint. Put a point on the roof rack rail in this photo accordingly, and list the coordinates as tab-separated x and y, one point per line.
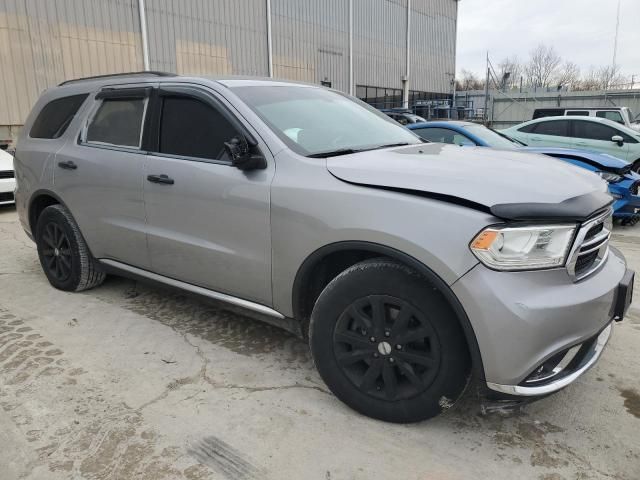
125	74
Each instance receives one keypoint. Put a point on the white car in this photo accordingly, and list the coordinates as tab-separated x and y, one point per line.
585	133
7	178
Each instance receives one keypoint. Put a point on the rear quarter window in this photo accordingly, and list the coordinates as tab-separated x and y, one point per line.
55	117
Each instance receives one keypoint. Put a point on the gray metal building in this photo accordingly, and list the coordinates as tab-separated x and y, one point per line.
384	51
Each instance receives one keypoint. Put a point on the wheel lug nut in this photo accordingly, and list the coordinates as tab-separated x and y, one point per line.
391	360
373	339
398	347
375	355
387	334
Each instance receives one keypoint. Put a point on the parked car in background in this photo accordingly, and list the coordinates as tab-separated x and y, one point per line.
623	182
621	115
7	178
403	117
319	213
587	133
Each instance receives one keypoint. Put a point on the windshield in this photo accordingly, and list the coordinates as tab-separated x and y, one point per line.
492	138
313	121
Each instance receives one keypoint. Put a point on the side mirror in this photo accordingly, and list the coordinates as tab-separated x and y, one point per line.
618	139
241	156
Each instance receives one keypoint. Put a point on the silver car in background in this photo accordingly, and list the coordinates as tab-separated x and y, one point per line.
410	267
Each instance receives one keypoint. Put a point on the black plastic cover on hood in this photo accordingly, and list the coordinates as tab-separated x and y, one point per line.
573	209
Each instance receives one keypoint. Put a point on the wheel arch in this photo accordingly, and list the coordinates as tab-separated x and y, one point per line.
324	263
41	199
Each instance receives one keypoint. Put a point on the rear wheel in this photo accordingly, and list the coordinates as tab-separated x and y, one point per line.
387	344
636	166
63	253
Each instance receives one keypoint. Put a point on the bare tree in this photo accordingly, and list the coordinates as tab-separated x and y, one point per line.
568	76
509	72
542	66
469	81
602	78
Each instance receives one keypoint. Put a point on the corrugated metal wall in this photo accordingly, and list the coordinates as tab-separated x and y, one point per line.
311	41
433	40
221	37
43	42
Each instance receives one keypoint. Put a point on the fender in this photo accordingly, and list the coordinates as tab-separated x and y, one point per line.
312	260
34	196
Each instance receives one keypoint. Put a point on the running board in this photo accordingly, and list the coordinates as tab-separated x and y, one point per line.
223	297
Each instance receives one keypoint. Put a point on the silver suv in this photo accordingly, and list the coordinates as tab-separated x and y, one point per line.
410	267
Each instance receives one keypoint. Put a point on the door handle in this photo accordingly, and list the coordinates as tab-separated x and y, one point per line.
164	179
68	165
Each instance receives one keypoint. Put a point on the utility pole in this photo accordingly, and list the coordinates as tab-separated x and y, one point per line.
615	42
486	94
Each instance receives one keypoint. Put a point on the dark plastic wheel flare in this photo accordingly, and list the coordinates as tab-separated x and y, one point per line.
386	347
57	251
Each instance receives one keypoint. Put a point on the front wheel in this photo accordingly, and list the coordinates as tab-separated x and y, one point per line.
64	255
387	344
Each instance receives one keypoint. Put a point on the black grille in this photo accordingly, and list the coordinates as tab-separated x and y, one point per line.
6	174
6	197
593	231
585	262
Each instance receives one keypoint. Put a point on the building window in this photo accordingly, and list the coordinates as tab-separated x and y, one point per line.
382	98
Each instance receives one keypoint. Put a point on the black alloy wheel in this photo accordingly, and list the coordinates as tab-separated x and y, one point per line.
386	347
57	252
388	344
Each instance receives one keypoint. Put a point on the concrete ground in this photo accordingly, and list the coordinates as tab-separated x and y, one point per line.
130	381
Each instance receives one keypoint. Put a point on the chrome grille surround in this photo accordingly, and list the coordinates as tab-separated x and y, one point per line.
586	245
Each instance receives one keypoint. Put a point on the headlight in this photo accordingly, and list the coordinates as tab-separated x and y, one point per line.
610	177
523	248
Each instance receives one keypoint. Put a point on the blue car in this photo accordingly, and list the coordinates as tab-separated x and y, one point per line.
623	183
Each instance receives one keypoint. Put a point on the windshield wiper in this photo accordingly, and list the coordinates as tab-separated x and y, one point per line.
389	145
349	151
334	153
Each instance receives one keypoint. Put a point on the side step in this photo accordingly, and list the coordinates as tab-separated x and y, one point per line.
223	297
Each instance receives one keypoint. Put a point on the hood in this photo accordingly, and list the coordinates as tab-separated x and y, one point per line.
509	184
6	161
602	161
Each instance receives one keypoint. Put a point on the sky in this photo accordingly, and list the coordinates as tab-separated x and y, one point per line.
582	31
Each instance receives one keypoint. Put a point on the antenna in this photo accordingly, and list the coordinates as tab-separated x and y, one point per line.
615	42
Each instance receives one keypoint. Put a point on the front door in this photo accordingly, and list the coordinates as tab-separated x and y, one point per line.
98	175
597	136
208	221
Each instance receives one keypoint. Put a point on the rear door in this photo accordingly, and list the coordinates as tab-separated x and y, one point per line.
596	136
550	133
98	174
208	221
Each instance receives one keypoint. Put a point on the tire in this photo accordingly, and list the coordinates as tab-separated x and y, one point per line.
64	255
407	368
636	166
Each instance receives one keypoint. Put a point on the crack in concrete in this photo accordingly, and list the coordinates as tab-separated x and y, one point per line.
204	377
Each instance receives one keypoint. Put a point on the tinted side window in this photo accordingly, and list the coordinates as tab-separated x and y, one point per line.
593	131
439	135
578	113
191	128
118	121
558	128
56	116
614	116
527	128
